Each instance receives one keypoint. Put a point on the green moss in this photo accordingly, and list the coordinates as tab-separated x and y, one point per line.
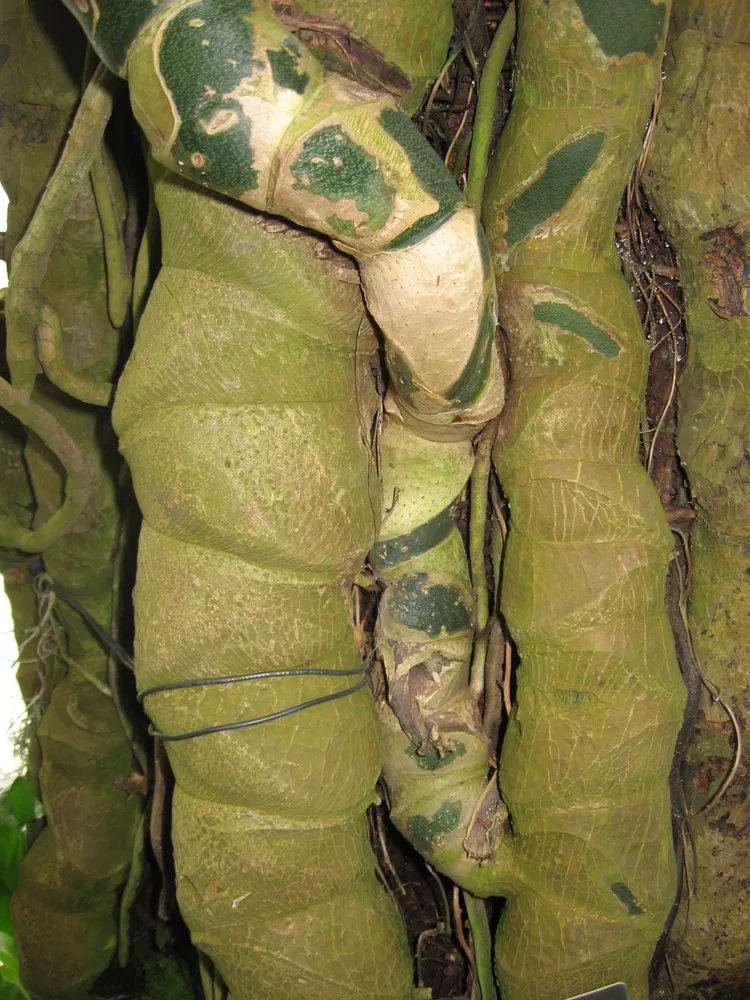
284	63
205	53
624	26
415	543
334	166
434	760
424	832
117	25
343	226
575	322
549	193
428	608
429	170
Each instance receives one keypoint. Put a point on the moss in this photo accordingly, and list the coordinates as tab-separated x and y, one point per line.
575	322
334	166
424	832
623	27
429	608
284	63
202	59
550	192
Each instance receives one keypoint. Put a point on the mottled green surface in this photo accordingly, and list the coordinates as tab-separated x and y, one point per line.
418	604
426	831
428	168
423	537
587	752
698	180
285	67
333	166
114	24
206	51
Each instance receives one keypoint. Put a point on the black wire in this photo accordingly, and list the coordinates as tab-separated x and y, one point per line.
166	737
125	659
99	631
205	682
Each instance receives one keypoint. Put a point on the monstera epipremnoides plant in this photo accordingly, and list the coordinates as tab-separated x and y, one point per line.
266	466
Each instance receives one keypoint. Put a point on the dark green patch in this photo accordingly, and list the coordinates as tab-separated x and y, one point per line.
424	832
624	26
626	896
484	249
198	75
117	26
4	53
343	226
428	608
575	322
334	166
573	697
284	63
429	170
422	539
470	384
400	372
549	193
434	760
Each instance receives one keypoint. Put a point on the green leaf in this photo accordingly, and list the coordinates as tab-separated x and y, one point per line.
21	802
12	991
11	852
6	924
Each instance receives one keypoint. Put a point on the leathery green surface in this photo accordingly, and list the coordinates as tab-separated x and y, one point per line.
238	413
589	744
66	906
698	179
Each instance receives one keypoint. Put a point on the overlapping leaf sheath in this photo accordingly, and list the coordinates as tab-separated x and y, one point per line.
698	179
238	413
65	909
585	760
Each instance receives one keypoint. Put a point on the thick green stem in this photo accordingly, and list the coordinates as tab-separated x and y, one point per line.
476	910
698	179
484	120
585	760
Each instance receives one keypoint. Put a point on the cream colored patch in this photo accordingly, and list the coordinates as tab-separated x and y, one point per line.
549	343
94	16
270	110
428	300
